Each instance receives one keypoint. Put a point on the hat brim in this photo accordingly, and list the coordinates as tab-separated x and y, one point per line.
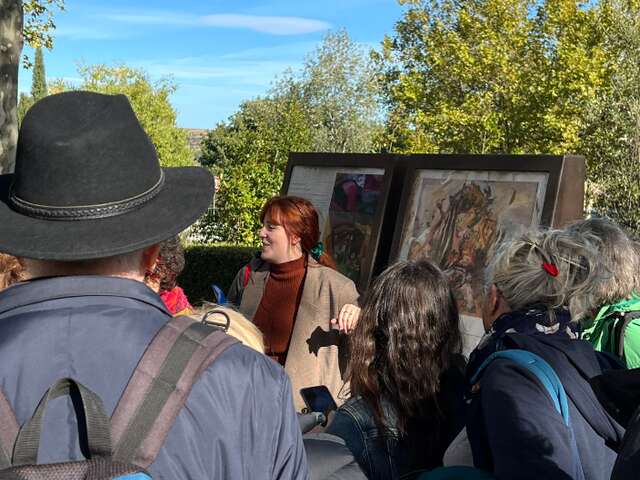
185	196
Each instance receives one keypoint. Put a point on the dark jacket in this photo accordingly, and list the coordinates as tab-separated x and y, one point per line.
238	422
513	428
619	393
330	459
390	455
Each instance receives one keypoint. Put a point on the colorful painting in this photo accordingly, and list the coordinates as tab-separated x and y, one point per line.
456	218
349	226
348	201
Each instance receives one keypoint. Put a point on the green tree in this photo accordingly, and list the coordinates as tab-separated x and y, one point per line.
339	91
482	76
150	101
249	153
32	21
24	103
39	79
38	23
329	105
38	87
611	138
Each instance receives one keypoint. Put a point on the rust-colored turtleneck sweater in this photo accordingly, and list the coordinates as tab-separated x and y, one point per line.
277	310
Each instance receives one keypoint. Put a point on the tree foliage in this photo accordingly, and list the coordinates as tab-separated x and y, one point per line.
486	76
249	153
38	87
39	79
38	23
339	91
25	102
329	105
150	101
611	140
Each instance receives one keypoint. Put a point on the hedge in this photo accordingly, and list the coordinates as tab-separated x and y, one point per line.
207	264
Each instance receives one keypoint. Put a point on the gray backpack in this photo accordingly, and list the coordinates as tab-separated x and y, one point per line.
125	445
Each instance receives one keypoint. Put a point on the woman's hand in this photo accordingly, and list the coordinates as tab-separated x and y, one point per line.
347	318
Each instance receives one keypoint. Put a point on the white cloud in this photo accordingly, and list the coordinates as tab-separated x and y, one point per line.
238	72
274	25
155	18
267	24
84	33
294	51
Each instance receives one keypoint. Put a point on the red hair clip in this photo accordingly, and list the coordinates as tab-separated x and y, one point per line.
550	268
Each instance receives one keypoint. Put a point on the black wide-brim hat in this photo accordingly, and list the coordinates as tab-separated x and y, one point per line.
88	183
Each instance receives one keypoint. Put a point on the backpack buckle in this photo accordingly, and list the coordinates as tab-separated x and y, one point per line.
222	325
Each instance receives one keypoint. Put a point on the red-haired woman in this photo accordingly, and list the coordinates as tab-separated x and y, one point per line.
293	293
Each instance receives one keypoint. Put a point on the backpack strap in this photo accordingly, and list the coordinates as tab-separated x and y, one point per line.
540	369
160	385
93	416
9	429
247	274
549	379
622	322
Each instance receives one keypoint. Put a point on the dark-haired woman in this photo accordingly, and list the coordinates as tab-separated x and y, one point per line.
293	293
163	279
406	374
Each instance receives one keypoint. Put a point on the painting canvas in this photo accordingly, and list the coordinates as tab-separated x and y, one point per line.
348	200
349	227
455	218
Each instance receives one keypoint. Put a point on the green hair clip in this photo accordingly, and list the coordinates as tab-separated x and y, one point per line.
317	251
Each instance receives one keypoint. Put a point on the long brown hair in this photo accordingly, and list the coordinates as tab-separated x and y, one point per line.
170	264
406	338
299	218
11	270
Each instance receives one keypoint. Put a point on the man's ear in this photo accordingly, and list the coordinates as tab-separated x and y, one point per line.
149	258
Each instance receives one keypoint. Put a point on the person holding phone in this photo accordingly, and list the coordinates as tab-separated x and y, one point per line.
295	296
406	374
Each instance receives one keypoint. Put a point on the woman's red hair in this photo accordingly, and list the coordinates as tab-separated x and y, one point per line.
299	218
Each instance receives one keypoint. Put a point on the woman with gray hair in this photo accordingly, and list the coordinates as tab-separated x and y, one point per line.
513	427
611	309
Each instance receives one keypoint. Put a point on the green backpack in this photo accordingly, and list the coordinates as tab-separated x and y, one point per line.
610	331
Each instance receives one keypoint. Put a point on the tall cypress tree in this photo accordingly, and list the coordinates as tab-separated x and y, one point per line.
38	81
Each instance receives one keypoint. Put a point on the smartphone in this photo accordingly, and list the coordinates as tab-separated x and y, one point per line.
318	399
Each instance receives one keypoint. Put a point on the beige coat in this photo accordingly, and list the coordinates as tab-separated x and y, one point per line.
317	353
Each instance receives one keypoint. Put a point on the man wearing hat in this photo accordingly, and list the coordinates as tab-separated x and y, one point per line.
85	210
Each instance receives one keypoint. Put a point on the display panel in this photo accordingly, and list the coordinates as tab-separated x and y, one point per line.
350	201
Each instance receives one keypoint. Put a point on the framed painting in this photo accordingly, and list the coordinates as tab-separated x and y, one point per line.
350	193
455	207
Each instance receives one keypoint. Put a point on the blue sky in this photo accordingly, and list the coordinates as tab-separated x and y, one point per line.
219	53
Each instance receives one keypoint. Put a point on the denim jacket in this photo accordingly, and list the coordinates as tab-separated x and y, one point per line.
390	455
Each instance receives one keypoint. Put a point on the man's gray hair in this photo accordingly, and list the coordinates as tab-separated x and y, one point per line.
522	268
619	261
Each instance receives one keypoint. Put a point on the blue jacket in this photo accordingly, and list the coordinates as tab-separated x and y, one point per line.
513	428
389	455
238	422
